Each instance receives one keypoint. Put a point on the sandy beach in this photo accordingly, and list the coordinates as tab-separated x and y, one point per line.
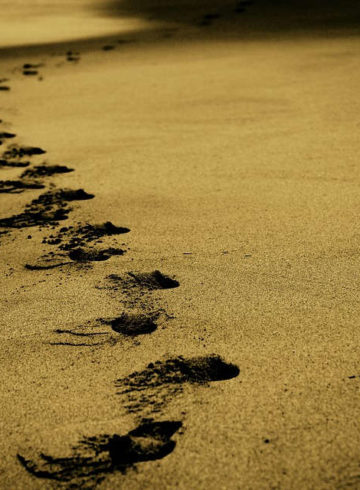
179	246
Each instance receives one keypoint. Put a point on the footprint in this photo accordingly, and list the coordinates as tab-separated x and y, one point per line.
128	325
80	244
145	280
21	151
75	256
150	390
45	171
18	186
4	88
136	289
40	171
13	163
108	47
95	457
90	255
71	237
5	135
47	210
29	69
70	195
72	56
132	324
30	66
208	19
241	6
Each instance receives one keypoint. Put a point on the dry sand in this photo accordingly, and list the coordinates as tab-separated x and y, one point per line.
229	148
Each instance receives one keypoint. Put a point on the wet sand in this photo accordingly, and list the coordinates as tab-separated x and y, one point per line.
179	247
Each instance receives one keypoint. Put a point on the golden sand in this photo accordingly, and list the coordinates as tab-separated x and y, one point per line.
227	143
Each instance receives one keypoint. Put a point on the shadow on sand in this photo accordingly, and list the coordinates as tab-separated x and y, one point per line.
215	20
247	17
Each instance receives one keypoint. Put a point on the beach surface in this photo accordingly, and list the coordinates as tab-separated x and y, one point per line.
179	245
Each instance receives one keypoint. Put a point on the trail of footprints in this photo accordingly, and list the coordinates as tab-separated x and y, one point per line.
145	393
208	19
32	70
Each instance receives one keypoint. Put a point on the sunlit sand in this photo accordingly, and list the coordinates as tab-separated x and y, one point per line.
179	245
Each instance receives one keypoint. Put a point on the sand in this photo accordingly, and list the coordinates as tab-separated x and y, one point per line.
180	267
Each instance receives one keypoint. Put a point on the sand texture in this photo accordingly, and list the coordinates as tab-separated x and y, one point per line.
179	245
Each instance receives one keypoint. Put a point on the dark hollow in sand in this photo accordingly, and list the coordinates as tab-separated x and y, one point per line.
94	457
29	178
83	243
48	209
72	56
196	370
147	392
13	163
148	280
5	135
90	255
21	151
105	229
72	195
69	238
131	324
17	186
29	66
45	171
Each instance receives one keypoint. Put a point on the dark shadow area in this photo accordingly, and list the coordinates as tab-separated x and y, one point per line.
186	20
247	17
